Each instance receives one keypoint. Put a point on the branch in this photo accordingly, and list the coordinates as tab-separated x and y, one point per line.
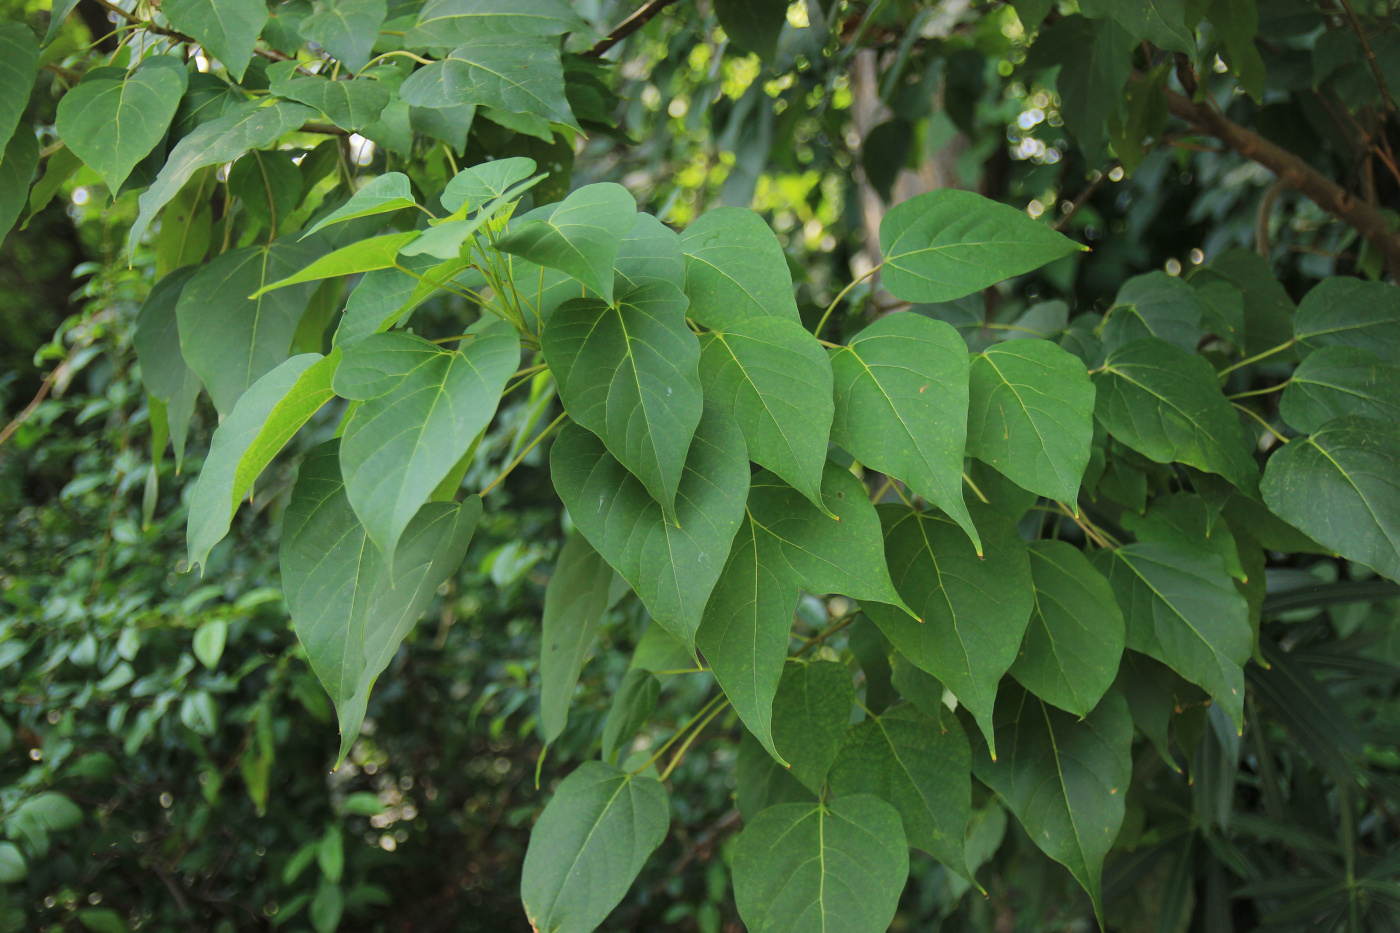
1293	172
1370	55
631	24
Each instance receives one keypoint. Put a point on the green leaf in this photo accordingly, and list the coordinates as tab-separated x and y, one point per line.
19	60
631	708
268	184
835	866
971	613
265	418
949	243
12	865
422	406
1268	311
231	340
919	765
111	124
1237	22
760	782
574	603
102	920
350	105
581	237
348	30
630	374
735	269
247	126
1186	520
1161	22
385	297
379	252
1341	311
351	608
1222	305
1182	609
17	167
785	543
326	908
448	124
1095	58
753	26
478	185
1340	486
1166	404
810	713
386	193
157	337
1030	416
672	566
1336	381
444	23
227	29
1064	777
901	407
589	845
208	643
774	379
1154	305
1076	634
512	74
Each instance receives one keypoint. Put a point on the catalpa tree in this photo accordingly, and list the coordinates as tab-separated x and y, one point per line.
1036	539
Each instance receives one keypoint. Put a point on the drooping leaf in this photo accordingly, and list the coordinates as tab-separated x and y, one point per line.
445	23
574	603
581	237
112	124
1166	404
774	379
1342	311
351	608
753	26
480	184
760	782
1335	381
632	706
672	567
785	543
350	105
19	60
448	124
810	713
839	865
1340	486
386	193
901	407
589	845
1182	609
919	765
735	269
347	29
232	340
1095	58
421	408
248	126
369	255
1075	638
262	422
17	165
631	375
1065	778
509	73
1161	22
1154	305
949	243
1186	519
1030	416
157	337
971	613
227	29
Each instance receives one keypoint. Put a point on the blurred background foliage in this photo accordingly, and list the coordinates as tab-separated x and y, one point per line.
165	751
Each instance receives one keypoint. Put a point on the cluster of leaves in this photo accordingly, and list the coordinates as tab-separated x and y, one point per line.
1032	546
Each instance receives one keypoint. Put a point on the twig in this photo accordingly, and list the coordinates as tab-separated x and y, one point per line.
1266	210
1084	196
631	24
842	294
33	404
528	447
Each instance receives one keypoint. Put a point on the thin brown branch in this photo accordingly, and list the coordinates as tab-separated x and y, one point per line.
1082	198
1370	55
33	404
631	24
1294	172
